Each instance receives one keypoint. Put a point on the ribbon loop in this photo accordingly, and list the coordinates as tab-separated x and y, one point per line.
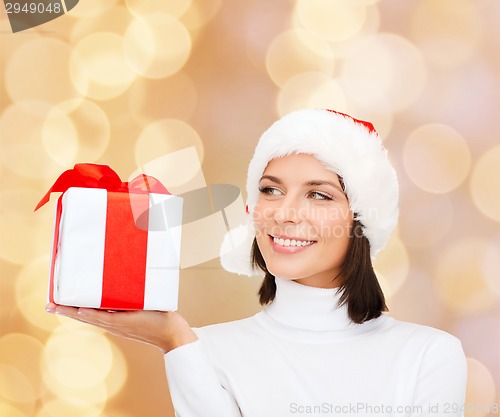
102	176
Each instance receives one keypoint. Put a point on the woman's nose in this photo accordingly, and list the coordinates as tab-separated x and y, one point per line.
289	210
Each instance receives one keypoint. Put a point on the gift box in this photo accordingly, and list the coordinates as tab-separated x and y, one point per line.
116	245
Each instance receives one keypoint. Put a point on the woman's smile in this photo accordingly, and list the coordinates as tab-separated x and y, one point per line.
289	245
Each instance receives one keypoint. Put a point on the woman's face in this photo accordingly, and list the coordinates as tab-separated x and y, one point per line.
302	221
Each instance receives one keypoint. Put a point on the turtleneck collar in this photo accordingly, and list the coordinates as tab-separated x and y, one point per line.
309	308
300	313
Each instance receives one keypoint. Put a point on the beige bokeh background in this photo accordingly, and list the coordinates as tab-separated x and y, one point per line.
125	82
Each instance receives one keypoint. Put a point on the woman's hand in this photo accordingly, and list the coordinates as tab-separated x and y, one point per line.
165	330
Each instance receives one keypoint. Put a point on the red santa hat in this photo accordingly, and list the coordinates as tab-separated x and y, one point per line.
347	146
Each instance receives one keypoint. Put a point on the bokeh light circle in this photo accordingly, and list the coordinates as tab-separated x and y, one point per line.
118	373
371	26
15	386
141	8
31	293
92	126
31	75
25	236
96	394
147	98
392	266
84	353
56	407
332	20
427	218
365	94
26	157
163	137
98	61
114	19
16	247
480	393
311	90
200	13
19	202
14	43
392	63
459	277
116	412
436	158
156	45
407	305
296	51
485	184
367	101
491	265
59	137
9	410
22	353
91	8
453	26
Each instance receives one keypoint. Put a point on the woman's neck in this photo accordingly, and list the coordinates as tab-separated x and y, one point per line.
307	307
319	282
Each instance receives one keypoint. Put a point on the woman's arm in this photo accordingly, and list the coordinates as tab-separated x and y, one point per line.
442	380
193	383
194	386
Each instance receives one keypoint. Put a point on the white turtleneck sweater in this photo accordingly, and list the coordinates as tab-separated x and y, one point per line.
301	356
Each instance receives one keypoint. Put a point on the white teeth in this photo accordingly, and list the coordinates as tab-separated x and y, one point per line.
293	242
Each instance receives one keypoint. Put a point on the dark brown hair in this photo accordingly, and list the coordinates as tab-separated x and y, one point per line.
359	289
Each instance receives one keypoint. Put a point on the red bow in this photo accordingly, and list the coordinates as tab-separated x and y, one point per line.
102	176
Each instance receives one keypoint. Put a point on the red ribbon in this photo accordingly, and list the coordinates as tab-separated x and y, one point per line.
125	248
102	176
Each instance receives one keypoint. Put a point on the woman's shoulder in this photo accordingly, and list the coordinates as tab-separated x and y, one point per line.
419	334
224	342
245	327
439	354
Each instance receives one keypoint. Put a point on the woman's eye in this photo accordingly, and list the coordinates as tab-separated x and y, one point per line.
269	191
320	196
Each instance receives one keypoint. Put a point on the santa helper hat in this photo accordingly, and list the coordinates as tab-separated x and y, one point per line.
347	146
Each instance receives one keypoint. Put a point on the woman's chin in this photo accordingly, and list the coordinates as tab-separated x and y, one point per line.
284	271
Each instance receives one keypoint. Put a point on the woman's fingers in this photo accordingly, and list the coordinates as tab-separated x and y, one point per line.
87	315
88	318
118	323
50	307
58	309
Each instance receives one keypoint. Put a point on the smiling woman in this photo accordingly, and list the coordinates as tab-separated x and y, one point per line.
322	201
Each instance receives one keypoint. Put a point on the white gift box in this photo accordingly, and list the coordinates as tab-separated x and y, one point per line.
116	250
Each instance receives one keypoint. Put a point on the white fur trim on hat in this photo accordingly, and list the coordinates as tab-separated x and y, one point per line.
349	147
236	248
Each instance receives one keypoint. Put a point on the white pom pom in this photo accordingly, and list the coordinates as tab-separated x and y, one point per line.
235	252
